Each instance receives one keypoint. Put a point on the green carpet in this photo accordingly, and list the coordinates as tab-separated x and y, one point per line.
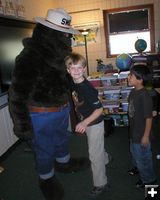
19	180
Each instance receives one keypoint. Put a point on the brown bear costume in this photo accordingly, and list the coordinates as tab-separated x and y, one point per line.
39	96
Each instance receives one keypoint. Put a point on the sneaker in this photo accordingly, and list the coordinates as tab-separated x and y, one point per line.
140	183
133	171
109	159
96	191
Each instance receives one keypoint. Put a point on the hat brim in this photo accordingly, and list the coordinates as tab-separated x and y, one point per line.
70	30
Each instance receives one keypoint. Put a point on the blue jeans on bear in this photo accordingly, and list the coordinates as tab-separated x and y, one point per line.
50	140
142	159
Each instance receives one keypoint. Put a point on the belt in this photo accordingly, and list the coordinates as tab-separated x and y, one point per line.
47	109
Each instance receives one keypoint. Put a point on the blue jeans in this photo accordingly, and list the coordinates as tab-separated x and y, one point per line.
50	139
142	159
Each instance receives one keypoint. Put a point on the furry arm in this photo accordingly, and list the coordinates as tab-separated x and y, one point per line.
19	93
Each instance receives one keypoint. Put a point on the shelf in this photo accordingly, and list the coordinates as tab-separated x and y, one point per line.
112	102
119	113
114	99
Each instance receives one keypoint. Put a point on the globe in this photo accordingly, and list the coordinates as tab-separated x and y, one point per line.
140	45
123	62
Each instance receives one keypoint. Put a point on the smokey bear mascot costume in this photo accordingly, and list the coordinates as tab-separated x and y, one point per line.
39	99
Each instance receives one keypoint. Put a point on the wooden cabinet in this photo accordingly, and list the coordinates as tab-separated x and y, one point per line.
7	137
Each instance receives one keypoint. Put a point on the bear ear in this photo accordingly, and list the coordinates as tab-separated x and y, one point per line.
58	19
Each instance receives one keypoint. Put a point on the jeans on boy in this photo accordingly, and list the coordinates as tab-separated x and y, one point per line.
142	159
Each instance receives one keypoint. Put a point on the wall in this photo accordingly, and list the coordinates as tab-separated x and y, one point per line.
87	11
37	8
32	7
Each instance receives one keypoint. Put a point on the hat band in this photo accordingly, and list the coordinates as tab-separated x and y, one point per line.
57	24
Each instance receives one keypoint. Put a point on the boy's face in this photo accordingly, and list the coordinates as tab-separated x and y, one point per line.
76	71
133	81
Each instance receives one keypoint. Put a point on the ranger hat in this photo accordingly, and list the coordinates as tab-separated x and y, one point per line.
58	19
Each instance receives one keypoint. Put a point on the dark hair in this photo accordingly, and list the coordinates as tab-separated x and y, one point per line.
141	72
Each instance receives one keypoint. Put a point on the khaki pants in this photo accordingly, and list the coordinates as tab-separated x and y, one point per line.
97	154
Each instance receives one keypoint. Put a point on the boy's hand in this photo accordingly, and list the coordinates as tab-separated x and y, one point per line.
81	127
145	141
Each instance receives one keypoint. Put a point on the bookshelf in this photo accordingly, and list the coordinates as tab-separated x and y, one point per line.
153	62
113	92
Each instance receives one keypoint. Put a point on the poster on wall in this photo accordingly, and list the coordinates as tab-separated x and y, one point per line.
92	36
9	7
20	9
13	8
1	7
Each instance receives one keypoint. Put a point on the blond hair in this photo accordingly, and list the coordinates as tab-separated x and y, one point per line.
75	58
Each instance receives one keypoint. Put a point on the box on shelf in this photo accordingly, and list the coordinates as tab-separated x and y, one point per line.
122	81
100	90
125	106
141	58
109	81
112	94
95	82
120	120
123	78
117	120
125	120
123	74
125	93
110	107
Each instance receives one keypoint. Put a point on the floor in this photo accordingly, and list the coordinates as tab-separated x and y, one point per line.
19	179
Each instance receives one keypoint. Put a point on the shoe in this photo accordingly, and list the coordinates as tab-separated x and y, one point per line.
110	159
140	183
51	188
133	171
97	191
74	165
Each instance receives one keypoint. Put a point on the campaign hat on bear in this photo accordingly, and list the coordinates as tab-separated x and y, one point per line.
58	19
